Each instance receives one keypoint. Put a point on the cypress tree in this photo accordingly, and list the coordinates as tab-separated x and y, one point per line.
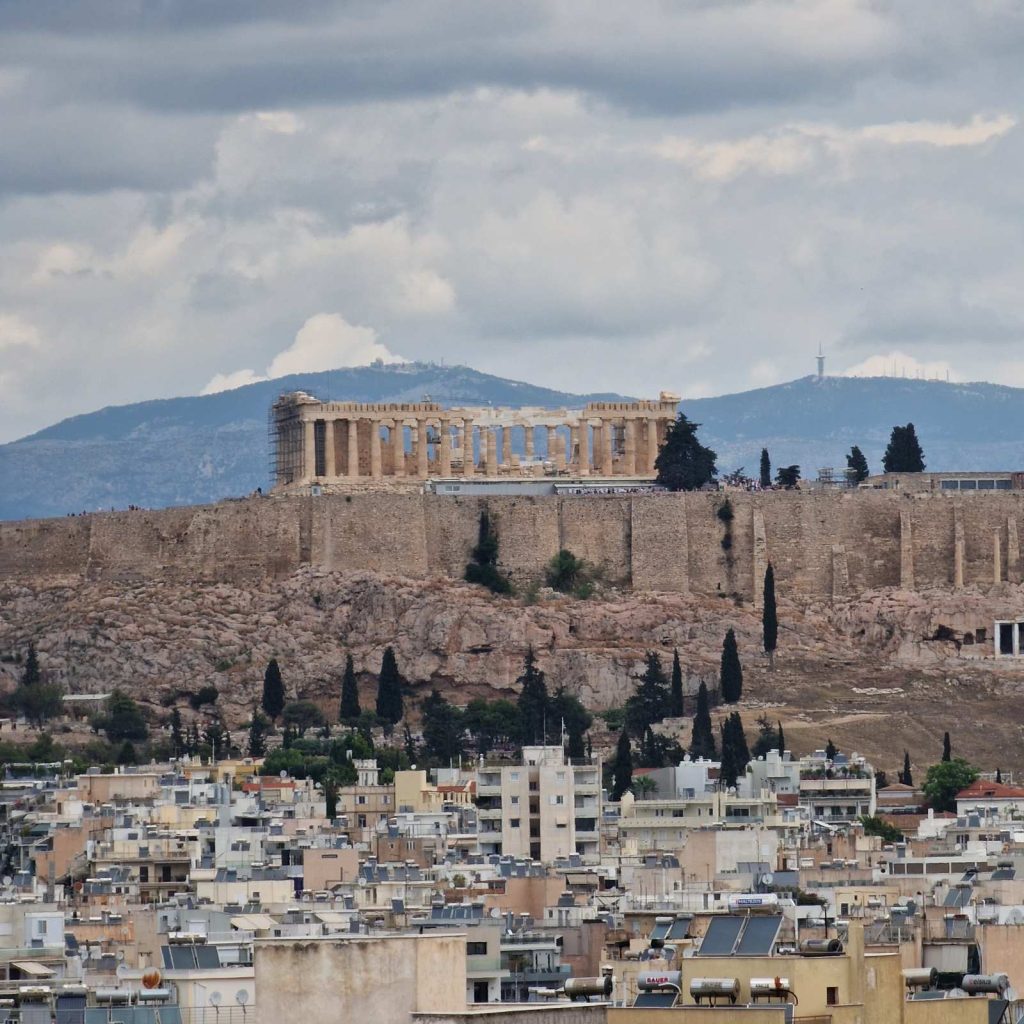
390	706
622	767
770	616
31	674
273	690
730	676
904	453
442	728
738	742
676	701
533	701
999	776
831	749
702	742
907	778
947	748
349	709
857	465
177	737
766	469
684	464
727	772
782	740
258	727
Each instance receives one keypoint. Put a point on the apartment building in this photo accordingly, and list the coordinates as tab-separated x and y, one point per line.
543	808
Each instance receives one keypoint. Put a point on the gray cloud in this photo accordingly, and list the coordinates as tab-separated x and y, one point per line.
594	197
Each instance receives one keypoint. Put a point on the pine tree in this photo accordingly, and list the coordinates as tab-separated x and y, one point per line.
258	727
273	690
702	741
904	453
650	700
532	702
770	616
730	676
782	741
622	767
684	464
677	706
177	737
906	778
442	729
766	469
564	709
390	706
947	748
857	465
349	709
483	564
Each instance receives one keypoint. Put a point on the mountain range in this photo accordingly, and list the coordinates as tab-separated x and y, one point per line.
191	450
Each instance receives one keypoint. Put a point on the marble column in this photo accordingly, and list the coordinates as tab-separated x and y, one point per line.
629	458
485	458
528	440
584	435
506	446
574	446
422	450
353	449
396	440
652	444
375	462
444	451
492	451
308	450
468	466
330	458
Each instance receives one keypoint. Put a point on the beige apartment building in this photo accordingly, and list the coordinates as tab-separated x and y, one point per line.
542	808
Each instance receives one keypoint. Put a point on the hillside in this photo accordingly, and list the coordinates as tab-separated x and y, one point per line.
184	451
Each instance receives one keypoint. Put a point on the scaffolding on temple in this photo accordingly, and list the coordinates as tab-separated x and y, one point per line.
286	451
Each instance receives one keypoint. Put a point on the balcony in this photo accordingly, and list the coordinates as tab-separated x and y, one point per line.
483	964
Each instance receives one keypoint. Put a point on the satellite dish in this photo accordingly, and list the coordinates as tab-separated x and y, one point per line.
121	972
215	998
283	774
151	979
242	996
767	878
8	879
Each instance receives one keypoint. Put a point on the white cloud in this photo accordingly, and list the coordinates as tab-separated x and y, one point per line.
16	332
324	342
900	364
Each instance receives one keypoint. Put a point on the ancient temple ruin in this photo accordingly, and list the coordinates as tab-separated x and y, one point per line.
316	442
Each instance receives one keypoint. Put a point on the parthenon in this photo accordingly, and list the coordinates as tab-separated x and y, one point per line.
318	442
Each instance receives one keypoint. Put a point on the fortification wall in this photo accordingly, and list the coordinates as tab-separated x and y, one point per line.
821	545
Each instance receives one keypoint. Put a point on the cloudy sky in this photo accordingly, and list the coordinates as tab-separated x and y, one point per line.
628	196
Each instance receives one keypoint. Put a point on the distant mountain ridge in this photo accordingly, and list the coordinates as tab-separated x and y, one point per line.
181	451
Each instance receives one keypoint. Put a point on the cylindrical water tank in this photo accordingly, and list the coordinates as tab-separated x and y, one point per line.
576	987
651	981
769	987
977	984
753	901
711	988
920	977
821	947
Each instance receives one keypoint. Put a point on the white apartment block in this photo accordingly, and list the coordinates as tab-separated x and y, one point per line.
542	808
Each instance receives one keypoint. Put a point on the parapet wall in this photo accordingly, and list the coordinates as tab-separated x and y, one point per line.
821	545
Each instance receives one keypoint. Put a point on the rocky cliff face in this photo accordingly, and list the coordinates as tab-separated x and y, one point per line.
875	674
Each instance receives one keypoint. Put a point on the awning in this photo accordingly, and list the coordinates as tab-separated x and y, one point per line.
253	922
31	967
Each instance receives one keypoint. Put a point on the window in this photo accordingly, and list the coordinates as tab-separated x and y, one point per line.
360	799
948	485
361	820
514	823
476	948
481	991
515	800
143	873
559	776
832	995
40	927
513	776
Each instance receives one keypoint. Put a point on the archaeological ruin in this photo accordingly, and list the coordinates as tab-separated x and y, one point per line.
329	443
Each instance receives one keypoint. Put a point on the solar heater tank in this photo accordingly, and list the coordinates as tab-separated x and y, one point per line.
821	947
653	981
579	987
979	984
921	977
762	987
715	988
